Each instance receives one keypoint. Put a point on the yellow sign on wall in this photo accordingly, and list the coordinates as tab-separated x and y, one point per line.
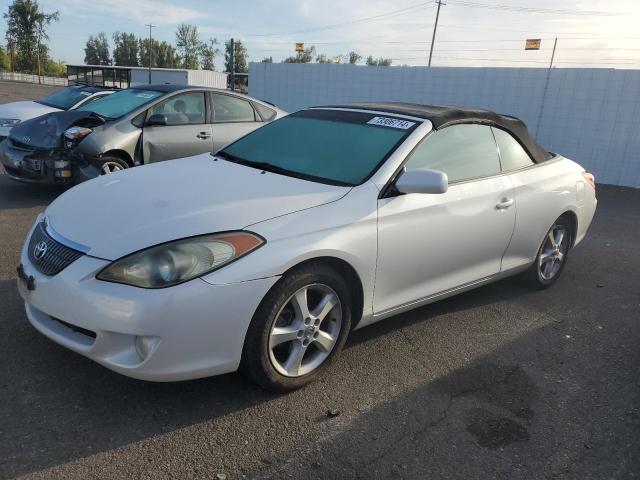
299	47
532	44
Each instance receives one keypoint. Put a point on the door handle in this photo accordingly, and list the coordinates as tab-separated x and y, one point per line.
504	203
203	135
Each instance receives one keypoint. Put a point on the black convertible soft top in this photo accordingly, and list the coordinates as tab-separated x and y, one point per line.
443	116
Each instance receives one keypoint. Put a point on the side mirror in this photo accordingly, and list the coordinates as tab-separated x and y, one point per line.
157	120
422	180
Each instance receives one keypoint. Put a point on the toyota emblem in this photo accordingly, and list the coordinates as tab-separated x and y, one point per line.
40	250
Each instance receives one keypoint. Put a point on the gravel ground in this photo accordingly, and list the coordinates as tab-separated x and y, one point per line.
501	382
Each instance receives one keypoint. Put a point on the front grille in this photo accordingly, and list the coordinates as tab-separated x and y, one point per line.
47	255
19	145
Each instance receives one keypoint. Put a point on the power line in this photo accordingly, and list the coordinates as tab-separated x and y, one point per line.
374	18
514	8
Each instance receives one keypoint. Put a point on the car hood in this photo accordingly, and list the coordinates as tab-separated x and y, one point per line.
25	110
46	132
126	211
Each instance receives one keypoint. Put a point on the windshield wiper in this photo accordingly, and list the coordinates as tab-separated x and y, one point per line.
268	167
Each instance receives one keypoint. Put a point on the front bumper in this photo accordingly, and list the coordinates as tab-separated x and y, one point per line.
197	329
50	167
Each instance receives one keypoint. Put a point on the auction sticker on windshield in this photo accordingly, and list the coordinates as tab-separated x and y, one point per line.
391	122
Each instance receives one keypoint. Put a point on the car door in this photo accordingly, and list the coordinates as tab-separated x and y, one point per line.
233	117
187	131
429	244
539	190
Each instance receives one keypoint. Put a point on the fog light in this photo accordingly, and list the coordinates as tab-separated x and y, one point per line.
145	345
63	173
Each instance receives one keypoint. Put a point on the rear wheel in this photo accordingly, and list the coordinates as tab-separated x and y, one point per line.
299	327
110	163
552	255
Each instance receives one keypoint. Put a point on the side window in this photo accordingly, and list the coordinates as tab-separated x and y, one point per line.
266	113
512	155
461	151
231	109
183	109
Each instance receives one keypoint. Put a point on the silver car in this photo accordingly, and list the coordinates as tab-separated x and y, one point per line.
136	126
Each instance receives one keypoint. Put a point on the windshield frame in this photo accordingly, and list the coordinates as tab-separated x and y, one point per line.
326	113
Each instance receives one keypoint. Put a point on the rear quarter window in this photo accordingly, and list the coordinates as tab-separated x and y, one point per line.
512	155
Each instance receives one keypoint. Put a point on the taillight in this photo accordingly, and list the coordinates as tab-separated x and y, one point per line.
591	180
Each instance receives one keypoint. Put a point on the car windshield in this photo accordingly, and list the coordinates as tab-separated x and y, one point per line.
120	103
65	98
329	146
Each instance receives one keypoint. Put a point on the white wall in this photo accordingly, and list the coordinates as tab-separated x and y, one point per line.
207	78
590	115
28	78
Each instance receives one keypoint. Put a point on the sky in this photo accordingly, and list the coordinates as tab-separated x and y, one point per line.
591	33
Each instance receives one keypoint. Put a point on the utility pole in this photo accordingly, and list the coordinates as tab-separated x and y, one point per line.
11	51
232	63
435	27
553	54
149	49
546	87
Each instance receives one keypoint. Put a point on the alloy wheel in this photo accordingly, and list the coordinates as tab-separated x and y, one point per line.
110	167
305	331
554	251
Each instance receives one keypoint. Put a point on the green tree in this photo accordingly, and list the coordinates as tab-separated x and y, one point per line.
305	56
189	45
167	56
5	60
208	53
102	49
96	50
322	58
26	31
90	52
267	60
239	57
144	48
125	49
354	57
380	62
55	68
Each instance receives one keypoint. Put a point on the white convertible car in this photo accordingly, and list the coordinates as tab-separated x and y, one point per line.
267	254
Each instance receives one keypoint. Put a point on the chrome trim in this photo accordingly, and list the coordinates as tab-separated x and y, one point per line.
63	240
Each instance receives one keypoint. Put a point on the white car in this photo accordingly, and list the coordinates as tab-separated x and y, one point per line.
267	254
11	114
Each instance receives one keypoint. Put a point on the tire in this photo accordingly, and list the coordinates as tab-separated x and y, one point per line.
110	163
280	333
552	256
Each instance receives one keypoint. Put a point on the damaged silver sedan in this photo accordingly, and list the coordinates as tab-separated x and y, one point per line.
131	127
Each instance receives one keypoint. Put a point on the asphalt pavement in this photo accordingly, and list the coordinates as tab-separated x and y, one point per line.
501	382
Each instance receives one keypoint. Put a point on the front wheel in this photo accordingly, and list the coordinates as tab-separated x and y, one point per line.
110	163
299	327
552	256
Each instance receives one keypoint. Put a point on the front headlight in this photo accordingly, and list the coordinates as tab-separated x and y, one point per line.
9	122
74	134
181	260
